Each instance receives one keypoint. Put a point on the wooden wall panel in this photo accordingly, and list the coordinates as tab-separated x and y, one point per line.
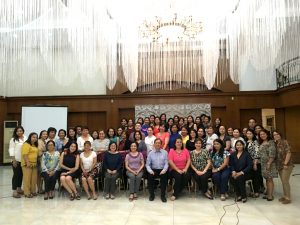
219	112
127	113
280	120
96	121
292	128
77	118
246	114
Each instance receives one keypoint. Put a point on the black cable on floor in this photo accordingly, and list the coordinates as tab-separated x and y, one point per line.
237	213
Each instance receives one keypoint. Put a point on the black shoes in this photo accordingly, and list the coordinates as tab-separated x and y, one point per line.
163	199
151	198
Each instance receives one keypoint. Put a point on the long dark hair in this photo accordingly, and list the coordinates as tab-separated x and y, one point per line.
221	151
68	151
15	136
41	133
29	139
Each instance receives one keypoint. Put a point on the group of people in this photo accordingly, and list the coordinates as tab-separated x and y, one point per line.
179	152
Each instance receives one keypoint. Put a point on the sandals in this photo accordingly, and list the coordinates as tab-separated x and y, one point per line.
107	196
112	197
95	197
77	196
28	196
72	197
207	195
16	195
135	197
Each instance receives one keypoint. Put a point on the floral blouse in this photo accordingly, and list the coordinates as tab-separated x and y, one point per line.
283	148
217	161
50	162
253	149
199	160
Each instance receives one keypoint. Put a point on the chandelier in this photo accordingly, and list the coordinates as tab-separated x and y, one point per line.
170	29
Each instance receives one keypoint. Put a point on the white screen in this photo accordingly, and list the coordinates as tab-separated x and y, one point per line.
37	118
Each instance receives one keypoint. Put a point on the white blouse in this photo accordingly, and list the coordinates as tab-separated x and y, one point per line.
87	161
80	142
15	148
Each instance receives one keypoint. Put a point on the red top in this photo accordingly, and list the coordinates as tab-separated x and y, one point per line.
179	159
163	137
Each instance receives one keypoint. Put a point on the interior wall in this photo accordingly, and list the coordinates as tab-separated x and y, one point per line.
292	130
233	108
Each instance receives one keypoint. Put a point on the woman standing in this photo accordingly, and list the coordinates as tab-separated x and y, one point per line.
142	147
179	160
88	160
202	135
50	168
42	149
61	141
69	164
72	137
156	125
149	140
268	153
285	166
225	138
190	144
130	127
85	136
29	158
112	164
173	136
164	137
15	146
184	135
201	164
95	135
134	163
211	136
241	164
252	147
111	135
220	169
236	136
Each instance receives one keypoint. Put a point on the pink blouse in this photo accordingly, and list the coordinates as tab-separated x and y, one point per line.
179	159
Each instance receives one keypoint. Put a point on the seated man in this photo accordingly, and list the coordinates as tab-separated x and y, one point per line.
157	167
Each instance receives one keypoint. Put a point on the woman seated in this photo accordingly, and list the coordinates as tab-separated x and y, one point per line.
241	164
220	169
88	160
69	164
134	163
50	169
201	164
112	164
179	160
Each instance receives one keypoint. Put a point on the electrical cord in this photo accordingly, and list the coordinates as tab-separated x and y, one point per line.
237	213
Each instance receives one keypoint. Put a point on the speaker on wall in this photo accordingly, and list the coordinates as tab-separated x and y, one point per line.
9	127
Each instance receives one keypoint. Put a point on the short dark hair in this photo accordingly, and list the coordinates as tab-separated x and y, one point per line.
260	141
51	129
65	132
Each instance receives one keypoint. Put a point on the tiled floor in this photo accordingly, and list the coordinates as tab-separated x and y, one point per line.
186	210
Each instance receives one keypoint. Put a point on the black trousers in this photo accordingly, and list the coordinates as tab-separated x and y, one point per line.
240	185
256	178
17	176
202	181
163	182
50	181
180	182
